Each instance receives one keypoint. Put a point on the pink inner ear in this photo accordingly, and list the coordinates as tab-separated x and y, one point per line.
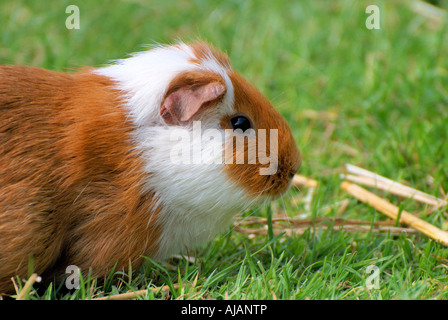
183	104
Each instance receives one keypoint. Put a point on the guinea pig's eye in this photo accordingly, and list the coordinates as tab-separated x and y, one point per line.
240	122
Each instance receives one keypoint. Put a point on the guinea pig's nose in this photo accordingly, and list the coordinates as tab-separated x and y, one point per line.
298	163
292	174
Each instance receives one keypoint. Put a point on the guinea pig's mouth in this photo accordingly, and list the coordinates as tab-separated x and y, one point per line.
279	183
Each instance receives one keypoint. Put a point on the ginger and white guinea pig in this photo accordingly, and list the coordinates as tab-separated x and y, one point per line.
90	174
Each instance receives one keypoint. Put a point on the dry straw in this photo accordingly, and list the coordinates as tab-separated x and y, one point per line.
394	212
138	293
23	295
364	177
370	179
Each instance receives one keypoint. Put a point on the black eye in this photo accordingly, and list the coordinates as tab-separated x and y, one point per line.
240	122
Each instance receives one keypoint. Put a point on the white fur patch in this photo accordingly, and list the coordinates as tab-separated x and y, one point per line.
197	200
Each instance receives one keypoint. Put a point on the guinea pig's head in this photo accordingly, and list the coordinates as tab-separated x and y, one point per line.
249	136
212	145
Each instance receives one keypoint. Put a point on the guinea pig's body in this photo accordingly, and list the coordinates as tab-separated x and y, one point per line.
87	176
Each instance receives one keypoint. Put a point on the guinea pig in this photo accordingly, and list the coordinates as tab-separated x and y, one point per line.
104	166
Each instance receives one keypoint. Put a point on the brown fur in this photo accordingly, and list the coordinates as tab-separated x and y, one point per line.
249	101
70	186
202	49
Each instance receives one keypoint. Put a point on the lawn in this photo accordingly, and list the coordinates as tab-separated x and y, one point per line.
376	98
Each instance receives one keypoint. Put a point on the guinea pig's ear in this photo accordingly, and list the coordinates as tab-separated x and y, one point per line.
189	93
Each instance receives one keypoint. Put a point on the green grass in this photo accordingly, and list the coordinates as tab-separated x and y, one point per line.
387	88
